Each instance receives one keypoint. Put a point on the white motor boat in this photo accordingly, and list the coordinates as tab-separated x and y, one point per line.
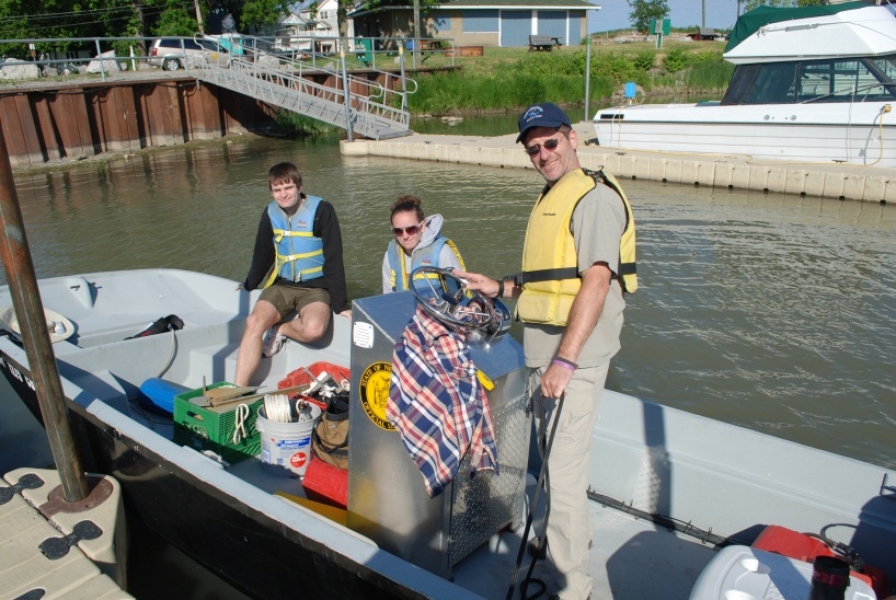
682	506
811	84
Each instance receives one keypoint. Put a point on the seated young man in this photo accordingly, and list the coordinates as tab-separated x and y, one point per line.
298	261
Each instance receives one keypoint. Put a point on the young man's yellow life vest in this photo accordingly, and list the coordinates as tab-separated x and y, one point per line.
299	255
550	277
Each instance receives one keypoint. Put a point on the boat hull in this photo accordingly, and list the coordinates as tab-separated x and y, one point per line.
860	135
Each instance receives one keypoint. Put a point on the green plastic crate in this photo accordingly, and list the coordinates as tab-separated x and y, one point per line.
205	429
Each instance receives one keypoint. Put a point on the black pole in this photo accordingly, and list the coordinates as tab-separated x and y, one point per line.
30	312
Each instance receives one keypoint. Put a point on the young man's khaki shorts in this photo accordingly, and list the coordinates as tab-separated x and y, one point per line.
287	299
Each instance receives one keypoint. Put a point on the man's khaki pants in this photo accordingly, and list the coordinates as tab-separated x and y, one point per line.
569	524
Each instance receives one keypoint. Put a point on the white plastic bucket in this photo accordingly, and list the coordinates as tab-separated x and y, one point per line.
286	447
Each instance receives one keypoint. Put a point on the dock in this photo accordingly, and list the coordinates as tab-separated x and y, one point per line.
731	171
53	549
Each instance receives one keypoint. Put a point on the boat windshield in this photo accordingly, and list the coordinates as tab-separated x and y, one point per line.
825	80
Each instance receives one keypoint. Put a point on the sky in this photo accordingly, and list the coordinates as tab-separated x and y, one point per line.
720	14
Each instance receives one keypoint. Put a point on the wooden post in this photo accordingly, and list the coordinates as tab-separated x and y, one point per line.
198	17
587	75
417	32
30	312
348	97
404	91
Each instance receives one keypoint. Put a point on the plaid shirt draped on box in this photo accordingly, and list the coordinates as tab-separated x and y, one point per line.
437	403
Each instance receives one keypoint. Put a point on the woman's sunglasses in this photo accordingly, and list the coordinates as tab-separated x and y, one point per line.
412	230
550	144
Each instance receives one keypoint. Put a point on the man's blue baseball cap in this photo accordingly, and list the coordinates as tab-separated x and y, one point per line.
546	114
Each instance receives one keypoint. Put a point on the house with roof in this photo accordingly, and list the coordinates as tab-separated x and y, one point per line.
318	16
311	21
502	23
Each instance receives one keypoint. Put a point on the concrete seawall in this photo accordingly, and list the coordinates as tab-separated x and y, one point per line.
829	180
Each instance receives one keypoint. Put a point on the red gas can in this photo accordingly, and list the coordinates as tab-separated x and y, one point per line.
325	483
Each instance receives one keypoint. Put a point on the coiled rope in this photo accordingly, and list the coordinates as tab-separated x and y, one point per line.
277	408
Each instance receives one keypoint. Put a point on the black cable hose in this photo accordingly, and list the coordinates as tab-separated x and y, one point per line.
540	551
542	478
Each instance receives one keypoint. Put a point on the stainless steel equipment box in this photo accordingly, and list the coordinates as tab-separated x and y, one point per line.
387	500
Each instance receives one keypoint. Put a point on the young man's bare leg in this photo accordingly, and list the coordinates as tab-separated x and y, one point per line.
311	324
263	317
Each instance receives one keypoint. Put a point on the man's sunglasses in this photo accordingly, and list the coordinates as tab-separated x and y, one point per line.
550	144
412	230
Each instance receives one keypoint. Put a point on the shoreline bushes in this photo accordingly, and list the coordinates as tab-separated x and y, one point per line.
559	76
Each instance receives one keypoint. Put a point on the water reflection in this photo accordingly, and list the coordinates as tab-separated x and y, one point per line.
769	311
485	125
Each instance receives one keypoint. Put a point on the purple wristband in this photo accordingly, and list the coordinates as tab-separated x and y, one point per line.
564	363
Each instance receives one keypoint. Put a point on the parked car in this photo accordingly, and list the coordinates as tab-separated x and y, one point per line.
171	53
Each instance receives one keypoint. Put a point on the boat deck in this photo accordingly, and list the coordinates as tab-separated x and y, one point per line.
631	558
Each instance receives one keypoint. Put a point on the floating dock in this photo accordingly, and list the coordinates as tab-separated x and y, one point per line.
50	548
734	171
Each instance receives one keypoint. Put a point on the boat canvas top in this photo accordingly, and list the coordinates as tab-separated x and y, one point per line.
769	34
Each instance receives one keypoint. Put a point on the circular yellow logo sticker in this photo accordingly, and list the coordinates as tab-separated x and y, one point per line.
375	393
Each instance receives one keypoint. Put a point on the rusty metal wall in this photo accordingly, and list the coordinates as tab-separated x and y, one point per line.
68	124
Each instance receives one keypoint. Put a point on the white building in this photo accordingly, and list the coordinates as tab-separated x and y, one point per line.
313	21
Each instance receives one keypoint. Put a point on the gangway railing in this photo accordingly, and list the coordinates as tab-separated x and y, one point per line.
359	105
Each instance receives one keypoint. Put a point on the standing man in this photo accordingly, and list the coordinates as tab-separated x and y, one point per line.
578	258
298	261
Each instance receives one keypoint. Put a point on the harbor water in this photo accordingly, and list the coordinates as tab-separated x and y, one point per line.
767	311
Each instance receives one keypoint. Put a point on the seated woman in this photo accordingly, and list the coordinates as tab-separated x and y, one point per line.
418	242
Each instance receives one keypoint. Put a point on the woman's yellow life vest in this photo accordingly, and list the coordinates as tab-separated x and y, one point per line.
550	277
421	257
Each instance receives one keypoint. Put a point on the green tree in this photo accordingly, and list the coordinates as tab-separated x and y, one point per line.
258	13
44	19
174	18
249	14
645	10
60	18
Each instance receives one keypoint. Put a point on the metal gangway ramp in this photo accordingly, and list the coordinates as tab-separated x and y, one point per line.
370	110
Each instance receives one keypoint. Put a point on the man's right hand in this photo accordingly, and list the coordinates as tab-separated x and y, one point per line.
554	381
477	282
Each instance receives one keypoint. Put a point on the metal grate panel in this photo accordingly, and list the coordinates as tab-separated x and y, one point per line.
486	503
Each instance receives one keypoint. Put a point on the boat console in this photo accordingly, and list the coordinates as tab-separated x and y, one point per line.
387	499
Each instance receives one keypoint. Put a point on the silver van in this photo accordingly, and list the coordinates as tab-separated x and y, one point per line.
172	53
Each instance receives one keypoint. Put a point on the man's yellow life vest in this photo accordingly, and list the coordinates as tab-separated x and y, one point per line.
550	277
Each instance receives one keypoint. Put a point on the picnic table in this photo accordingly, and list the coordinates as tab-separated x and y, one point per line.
543	42
427	47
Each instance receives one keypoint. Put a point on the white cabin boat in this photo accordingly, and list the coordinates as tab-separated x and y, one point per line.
811	84
679	502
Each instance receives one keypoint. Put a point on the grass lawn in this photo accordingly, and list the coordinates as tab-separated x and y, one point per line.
494	58
505	79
